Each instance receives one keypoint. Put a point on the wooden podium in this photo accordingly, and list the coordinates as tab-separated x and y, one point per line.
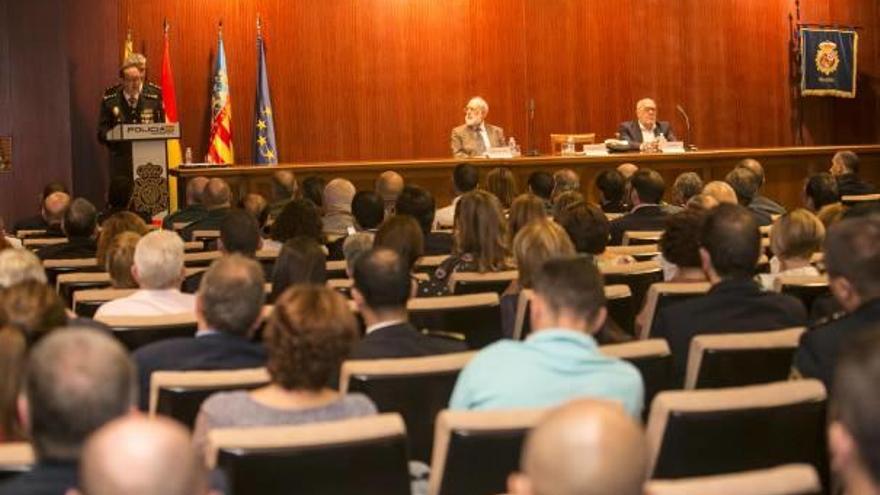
149	162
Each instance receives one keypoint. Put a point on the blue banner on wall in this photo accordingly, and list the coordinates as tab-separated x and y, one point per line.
828	58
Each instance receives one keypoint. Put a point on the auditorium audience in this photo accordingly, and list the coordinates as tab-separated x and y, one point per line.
309	334
119	193
501	182
123	221
368	210
76	381
646	214
301	261
465	178
759	202
159	271
588	229
194	210
541	185
560	360
820	190
852	259
565	180
721	192
337	219
78	224
794	238
382	287
53	201
401	234
686	186
299	218
583	447
313	190
845	168
702	202
564	200
217	199
256	206
612	188
18	265
119	259
418	203
356	245
389	185
745	184
524	209
284	189
227	311
730	245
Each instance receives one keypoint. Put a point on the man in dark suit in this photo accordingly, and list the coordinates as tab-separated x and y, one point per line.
419	204
51	210
730	248
228	307
368	209
746	184
646	191
382	286
217	200
194	209
852	258
845	167
646	132
80	221
759	202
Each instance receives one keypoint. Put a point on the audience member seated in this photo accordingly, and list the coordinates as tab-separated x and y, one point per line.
194	209
702	202
143	456
565	180
852	259
33	308
583	447
239	234
389	185
680	248
418	203
123	221
646	213
18	265
120	259
686	186
52	208
745	183
845	168
309	335
794	238
524	209
541	185
465	178
627	170
588	229
501	182
401	233
820	190
354	247
564	200
560	360
228	307
119	194
13	350
338	195
730	245
158	270
217	199
759	202
721	192
299	218
301	261
76	381
368	210
79	226
256	206
284	189
382	287
313	190
537	242
612	188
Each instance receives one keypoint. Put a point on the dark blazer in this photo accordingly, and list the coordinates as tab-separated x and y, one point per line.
731	306
766	205
403	341
648	217
437	243
216	351
46	478
630	131
614	207
817	353
76	247
211	221
852	185
36	222
187	214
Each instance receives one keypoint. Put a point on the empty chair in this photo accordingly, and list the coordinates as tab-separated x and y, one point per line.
86	302
15	458
416	388
638	276
137	331
705	432
474	451
619	303
354	456
558	140
791	479
476	316
735	359
653	360
663	293
635	237
807	289
474	283
179	394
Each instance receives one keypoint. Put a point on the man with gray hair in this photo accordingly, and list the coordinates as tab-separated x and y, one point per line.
228	305
19	265
217	200
845	168
475	137
646	132
685	187
761	203
194	209
76	381
338	194
158	269
565	180
389	185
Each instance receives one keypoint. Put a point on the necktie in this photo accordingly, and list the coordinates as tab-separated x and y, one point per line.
132	102
481	144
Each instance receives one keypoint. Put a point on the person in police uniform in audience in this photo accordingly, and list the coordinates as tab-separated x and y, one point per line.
132	101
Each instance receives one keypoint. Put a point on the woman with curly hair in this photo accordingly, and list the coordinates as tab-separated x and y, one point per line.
300	217
123	221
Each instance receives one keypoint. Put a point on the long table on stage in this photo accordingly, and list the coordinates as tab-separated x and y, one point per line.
785	169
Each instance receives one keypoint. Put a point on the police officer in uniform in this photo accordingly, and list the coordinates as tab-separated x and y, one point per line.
133	101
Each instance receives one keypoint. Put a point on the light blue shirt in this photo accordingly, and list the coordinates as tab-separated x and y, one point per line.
550	367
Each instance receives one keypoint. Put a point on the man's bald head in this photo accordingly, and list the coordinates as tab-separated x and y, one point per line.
627	170
285	184
565	180
195	189
721	191
137	455
54	207
217	194
753	165
389	185
586	447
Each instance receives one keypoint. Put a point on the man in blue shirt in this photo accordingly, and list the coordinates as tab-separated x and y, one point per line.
560	360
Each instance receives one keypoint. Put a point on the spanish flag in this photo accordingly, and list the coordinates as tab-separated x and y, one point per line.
220	143
169	101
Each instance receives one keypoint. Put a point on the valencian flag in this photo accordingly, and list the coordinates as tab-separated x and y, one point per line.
220	143
264	126
127	47
829	62
169	102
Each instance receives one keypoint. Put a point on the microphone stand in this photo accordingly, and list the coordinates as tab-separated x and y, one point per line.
532	149
687	122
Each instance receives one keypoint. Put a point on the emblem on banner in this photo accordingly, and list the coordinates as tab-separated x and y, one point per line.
827	58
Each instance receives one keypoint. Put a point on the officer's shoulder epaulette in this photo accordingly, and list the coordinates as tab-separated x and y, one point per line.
821	322
154	86
112	91
151	96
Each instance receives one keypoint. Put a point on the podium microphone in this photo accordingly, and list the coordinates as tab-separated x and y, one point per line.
687	123
533	150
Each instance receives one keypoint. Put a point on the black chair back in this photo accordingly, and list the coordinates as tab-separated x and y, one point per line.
134	337
480	461
738	367
481	324
665	300
183	403
807	293
638	282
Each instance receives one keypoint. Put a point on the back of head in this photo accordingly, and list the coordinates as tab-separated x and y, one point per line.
745	183
401	233
368	209
160	449
680	242
117	223
537	242
338	194
17	265
77	380
587	227
231	294
158	259
389	185
686	186
565	180
852	252
524	209
54	207
285	184
586	447
755	167
354	246
848	160
195	190
564	200
120	258
612	184
702	202
119	191
382	277
796	235
313	189
217	194
627	169
501	182
256	206
649	185
301	261
32	307
465	177
80	219
240	233
721	191
300	217
571	285
53	187
480	230
418	203
821	190
541	184
731	237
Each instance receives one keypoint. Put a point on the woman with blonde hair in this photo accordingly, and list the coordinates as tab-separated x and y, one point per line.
794	238
123	221
524	209
120	258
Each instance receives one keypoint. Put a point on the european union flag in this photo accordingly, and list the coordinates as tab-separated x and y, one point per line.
264	126
828	58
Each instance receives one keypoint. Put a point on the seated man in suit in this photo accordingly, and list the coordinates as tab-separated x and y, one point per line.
730	245
228	307
239	234
646	191
646	132
79	224
845	167
50	211
852	258
541	185
745	184
382	286
759	202
217	200
194	209
560	359
418	203
284	188
368	210
389	185
475	137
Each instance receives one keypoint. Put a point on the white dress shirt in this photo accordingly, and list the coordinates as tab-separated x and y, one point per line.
147	302
445	217
648	135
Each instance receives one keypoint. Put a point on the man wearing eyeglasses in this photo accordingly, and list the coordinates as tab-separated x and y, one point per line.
475	137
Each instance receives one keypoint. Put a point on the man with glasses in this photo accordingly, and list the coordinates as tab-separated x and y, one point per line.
646	133
475	137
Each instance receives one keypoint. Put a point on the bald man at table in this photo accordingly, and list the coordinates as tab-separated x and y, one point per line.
646	133
475	137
